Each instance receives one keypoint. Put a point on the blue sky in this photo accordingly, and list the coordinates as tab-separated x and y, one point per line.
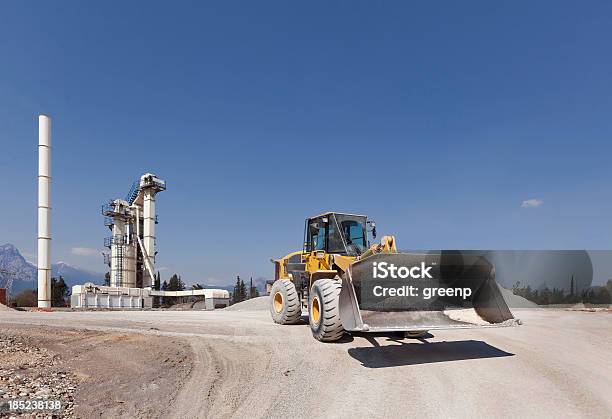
437	120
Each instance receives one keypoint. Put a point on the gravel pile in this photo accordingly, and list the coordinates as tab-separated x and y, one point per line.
254	304
516	301
32	373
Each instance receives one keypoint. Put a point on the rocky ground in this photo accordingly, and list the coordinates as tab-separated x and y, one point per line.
92	373
28	372
238	363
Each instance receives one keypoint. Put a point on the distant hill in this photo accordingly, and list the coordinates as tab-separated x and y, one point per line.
259	283
229	288
74	275
25	274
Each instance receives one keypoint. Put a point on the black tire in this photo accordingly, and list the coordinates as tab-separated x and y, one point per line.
285	306
324	310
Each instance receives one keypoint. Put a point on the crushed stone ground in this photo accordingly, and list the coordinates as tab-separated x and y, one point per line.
29	372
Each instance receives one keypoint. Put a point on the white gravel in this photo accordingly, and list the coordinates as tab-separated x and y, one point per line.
516	301
557	364
254	304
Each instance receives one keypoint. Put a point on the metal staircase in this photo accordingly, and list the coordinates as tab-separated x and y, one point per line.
119	268
133	193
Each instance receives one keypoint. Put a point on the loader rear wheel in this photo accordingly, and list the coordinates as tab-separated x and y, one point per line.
324	310
285	306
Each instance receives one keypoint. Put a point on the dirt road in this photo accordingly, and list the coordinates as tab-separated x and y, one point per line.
557	364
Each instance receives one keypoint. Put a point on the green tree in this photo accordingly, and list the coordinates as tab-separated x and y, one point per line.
236	292
59	292
175	283
163	287
26	298
157	282
239	293
597	295
243	290
197	287
253	292
107	279
544	296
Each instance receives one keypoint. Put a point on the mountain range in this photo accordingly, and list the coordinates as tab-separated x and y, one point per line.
24	274
259	283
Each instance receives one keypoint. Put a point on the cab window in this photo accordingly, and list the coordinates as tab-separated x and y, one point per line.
346	235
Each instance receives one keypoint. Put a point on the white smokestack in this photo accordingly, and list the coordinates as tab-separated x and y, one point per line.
44	211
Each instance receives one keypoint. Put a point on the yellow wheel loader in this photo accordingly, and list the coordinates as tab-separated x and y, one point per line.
348	285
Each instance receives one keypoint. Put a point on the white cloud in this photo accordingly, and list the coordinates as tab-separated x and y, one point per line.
84	251
162	268
532	203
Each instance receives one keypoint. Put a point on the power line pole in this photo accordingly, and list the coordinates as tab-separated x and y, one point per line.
9	280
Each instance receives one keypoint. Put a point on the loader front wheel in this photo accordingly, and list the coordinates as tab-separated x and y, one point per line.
285	306
324	310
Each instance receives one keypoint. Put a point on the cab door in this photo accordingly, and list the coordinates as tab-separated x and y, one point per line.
316	256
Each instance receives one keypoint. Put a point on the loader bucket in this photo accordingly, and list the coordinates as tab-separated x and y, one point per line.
422	291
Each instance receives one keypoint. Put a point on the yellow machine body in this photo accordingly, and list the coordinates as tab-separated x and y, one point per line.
334	269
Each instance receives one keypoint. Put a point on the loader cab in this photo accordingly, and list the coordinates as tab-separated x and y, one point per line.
344	234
